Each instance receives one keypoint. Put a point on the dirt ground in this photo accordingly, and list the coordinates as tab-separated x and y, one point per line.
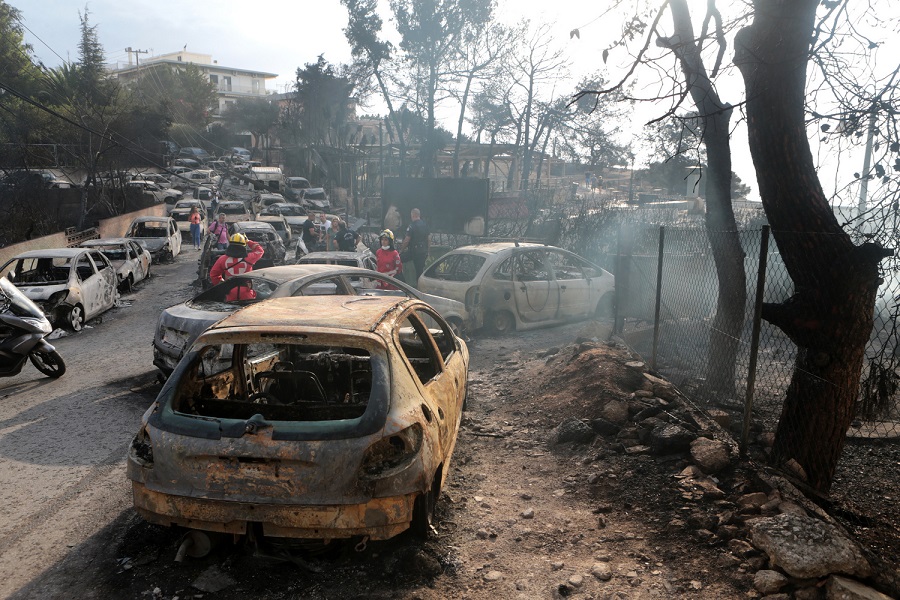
520	517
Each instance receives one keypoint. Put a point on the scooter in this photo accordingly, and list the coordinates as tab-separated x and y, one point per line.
22	330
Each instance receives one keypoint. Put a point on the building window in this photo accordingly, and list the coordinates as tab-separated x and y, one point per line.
226	83
214	79
256	86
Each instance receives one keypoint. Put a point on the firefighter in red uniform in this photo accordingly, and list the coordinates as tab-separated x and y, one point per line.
239	258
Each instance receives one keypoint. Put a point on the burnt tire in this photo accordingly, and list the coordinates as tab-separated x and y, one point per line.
501	322
127	284
50	364
456	326
423	515
75	318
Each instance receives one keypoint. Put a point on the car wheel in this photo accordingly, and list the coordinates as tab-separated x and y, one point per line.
128	284
456	326
606	307
50	364
423	510
75	320
501	321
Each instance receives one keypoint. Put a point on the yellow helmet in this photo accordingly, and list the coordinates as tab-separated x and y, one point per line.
238	238
387	233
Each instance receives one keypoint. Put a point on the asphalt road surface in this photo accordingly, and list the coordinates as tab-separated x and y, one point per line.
63	442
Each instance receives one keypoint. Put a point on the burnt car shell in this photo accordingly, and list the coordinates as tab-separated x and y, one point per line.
209	457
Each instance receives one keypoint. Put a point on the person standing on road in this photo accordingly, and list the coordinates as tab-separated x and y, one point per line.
239	258
325	236
417	242
345	237
220	229
195	220
309	236
388	259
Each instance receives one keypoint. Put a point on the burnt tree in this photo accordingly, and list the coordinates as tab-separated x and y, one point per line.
830	315
721	230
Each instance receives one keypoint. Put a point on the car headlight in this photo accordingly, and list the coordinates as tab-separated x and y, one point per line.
392	454
141	450
56	298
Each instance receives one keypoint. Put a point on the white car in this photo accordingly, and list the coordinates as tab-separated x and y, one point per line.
157	178
159	235
513	285
71	285
130	259
159	195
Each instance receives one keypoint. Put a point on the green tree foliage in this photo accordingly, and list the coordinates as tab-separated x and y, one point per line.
322	104
256	115
432	34
183	94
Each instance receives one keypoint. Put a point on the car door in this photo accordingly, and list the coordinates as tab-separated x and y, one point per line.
535	291
174	238
575	297
432	356
90	284
141	261
108	281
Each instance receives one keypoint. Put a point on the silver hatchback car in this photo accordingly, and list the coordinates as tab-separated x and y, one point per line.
507	286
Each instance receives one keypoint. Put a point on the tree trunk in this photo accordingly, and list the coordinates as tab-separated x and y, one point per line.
721	230
459	124
830	316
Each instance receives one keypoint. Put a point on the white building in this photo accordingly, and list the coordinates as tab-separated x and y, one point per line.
231	83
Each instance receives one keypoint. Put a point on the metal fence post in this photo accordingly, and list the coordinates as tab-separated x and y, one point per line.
659	272
754	337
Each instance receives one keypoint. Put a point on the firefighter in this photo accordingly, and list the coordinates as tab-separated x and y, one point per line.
239	258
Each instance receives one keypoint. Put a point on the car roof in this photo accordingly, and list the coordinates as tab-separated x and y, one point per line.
105	242
145	219
253	225
352	313
495	247
284	273
52	253
333	254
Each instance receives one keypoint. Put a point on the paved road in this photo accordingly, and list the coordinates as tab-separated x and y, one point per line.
63	442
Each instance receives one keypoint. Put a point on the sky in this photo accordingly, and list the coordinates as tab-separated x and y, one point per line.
278	36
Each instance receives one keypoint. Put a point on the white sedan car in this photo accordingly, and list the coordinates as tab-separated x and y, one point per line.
130	259
71	285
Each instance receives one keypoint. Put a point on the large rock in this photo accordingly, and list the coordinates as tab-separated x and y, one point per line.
669	439
574	430
841	588
615	412
662	388
769	582
805	547
710	455
604	427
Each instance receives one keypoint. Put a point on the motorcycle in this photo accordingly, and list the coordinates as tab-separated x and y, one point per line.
22	330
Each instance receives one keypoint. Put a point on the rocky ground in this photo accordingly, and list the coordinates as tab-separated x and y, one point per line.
576	474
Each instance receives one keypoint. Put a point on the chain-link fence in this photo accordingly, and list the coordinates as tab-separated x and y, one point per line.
670	311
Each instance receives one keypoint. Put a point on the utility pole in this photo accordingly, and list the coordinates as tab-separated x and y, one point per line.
137	58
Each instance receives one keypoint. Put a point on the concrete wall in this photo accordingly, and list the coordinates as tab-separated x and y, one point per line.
108	228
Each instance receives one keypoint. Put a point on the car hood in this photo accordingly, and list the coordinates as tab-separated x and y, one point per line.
40	293
194	321
152	244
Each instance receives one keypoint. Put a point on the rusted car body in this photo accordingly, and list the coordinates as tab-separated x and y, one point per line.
317	418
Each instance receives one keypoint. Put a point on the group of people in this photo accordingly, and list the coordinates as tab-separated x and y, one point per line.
328	234
242	253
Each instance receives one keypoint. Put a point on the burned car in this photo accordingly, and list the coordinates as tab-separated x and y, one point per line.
159	235
265	234
294	214
311	418
130	260
513	285
180	325
234	211
71	285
